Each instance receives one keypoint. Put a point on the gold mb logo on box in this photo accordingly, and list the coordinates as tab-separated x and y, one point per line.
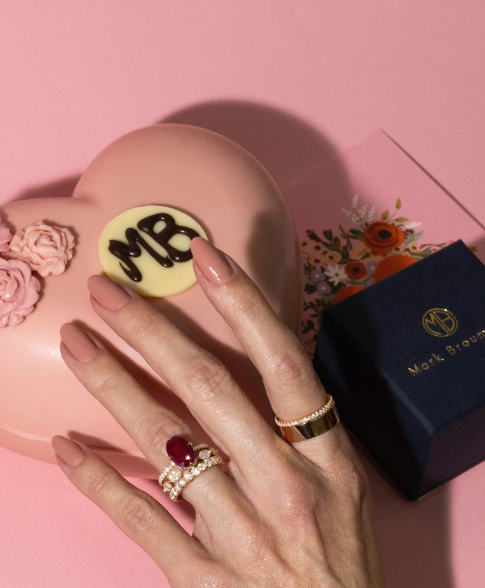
440	322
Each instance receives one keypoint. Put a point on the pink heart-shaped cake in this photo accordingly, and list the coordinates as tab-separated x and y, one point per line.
217	183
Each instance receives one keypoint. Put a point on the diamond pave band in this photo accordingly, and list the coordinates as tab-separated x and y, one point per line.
307	418
311	425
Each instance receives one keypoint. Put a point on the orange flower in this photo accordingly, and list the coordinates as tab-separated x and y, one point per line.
380	237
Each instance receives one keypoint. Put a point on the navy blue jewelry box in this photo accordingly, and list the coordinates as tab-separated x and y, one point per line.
405	362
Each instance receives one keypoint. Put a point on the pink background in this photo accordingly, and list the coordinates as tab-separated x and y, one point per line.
292	81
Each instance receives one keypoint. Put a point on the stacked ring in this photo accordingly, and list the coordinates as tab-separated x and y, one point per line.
182	470
310	425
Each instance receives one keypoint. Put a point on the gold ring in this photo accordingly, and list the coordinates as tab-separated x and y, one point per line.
186	463
311	425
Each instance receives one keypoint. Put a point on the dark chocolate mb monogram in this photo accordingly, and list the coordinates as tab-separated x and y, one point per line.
127	251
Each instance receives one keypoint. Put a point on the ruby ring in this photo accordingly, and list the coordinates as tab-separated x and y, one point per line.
187	462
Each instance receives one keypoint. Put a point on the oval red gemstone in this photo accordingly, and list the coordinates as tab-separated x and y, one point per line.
179	451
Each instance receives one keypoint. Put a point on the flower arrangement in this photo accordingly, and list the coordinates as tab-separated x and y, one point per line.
340	263
40	248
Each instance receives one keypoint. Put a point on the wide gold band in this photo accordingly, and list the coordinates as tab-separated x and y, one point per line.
310	425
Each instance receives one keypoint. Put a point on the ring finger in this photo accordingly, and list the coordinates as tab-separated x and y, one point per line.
145	420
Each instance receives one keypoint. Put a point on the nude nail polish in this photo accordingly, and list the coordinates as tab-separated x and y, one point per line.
107	293
211	261
78	342
69	451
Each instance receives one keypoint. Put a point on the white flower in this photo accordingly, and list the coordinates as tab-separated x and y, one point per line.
359	216
413	225
335	274
353	217
363	211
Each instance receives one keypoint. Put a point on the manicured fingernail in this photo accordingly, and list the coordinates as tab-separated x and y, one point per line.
107	293
69	452
78	342
211	261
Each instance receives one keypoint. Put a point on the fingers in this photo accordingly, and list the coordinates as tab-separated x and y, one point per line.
135	512
148	423
292	385
199	379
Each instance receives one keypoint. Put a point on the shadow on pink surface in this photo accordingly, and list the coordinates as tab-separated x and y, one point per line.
58	189
414	536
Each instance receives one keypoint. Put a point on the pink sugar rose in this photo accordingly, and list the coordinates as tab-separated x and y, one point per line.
5	237
47	249
19	291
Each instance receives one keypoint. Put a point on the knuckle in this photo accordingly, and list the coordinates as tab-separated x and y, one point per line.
299	496
155	431
291	363
107	377
106	385
206	379
99	482
247	304
254	542
143	326
138	513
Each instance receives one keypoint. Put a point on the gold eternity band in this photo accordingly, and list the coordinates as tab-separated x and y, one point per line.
310	425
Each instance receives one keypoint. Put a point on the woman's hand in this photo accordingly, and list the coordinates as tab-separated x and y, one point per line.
281	515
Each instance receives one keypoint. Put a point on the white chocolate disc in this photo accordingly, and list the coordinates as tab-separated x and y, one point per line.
147	248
